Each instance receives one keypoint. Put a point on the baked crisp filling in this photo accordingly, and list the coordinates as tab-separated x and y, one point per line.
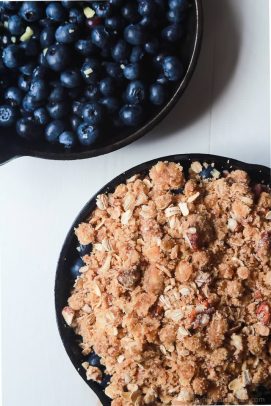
175	296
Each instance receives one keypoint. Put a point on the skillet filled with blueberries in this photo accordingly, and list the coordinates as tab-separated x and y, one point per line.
80	79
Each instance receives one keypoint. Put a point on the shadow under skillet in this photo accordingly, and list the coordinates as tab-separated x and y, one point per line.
221	29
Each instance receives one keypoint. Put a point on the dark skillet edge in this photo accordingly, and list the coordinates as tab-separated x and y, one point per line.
23	150
257	172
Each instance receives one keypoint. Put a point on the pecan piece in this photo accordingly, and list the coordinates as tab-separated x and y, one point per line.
129	278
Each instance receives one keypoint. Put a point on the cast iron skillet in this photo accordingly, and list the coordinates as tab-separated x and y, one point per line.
64	282
12	146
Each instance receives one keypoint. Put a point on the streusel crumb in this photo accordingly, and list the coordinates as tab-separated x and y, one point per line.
175	296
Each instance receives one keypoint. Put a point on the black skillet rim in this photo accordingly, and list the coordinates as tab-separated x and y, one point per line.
18	150
258	173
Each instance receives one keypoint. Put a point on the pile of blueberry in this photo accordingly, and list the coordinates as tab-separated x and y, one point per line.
71	69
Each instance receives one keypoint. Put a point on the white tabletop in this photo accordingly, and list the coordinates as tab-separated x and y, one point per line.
224	111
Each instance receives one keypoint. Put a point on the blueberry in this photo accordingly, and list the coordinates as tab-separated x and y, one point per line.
67	139
38	89
131	115
102	9
111	104
120	51
135	34
78	263
158	61
87	134
27	69
146	7
31	11
178	191
24	82
92	92
75	122
77	108
58	94
68	3
84	249
152	46
129	11
131	71
39	72
206	172
114	70
55	11
47	37
116	3
70	78
57	110
99	36
105	381
114	23
13	56
173	68
175	16
92	113
137	54
41	116
76	16
148	22
28	129
7	115
58	56
10	5
31	47
94	360
16	25
178	4
157	94
85	47
13	95
162	80
135	92
53	130
74	92
89	70
107	86
29	103
66	34
172	33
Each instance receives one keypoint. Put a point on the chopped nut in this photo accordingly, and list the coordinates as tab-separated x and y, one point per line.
102	201
268	215
129	278
184	208
68	315
193	197
196	167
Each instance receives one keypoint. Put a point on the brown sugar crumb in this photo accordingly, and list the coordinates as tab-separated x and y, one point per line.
175	295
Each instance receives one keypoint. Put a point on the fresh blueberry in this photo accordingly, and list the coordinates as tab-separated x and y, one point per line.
131	115
31	11
175	15
75	122
10	5
135	34
58	94
206	172
162	80
13	56
135	92
131	71
31	47
99	36
87	134
53	130
38	89
85	47
92	113
68	3
173	68
94	360
130	12
7	115
29	103
24	82
41	116
147	7
114	70
58	57
114	23
158	61
178	4
78	263
57	110
70	78
172	33
67	139
16	25
148	22
157	94
111	104
55	11
107	86
28	129
152	46
90	69
27	69
77	108
47	37
102	8
14	96
105	381
92	92
39	72
120	51
137	54
84	250
76	16
67	33
116	3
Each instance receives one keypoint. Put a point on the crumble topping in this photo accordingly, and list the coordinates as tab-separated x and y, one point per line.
175	296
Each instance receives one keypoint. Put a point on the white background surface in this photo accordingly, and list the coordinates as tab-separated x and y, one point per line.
224	111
